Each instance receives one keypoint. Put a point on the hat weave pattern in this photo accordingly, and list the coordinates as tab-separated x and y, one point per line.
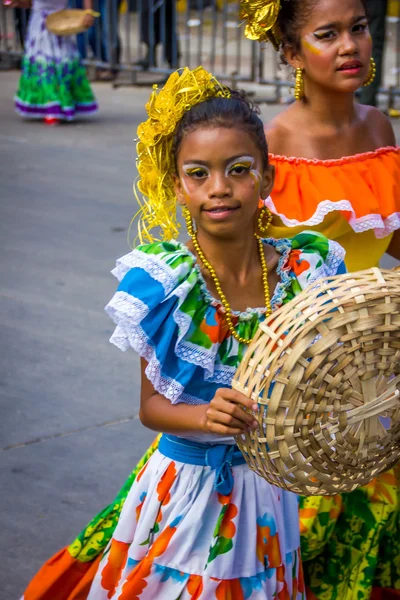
325	372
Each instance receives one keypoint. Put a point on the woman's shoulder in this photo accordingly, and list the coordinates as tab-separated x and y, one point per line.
279	132
378	125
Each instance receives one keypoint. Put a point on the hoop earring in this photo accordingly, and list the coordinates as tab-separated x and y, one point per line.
264	220
299	85
189	222
371	73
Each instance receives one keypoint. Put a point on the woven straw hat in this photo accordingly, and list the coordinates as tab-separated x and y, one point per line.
67	22
325	372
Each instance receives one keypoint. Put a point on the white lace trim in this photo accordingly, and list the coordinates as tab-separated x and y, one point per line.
382	227
157	268
127	312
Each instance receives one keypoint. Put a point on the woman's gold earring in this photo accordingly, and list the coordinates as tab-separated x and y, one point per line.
371	73
264	220
299	85
189	223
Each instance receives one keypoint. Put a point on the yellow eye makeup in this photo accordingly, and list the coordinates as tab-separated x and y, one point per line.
242	164
196	171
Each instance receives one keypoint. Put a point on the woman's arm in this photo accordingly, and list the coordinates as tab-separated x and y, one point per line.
223	416
394	247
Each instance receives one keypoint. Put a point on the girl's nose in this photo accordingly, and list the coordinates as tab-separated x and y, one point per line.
219	186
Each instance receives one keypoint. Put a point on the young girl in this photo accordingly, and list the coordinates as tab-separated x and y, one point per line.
338	171
53	85
197	523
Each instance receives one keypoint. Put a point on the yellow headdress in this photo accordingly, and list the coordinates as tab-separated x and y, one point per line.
261	18
155	162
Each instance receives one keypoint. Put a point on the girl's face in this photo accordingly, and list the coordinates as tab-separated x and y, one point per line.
221	179
335	46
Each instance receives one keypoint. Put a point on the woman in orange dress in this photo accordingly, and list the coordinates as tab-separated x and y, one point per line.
338	172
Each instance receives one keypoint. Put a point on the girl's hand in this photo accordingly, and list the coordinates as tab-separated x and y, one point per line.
225	414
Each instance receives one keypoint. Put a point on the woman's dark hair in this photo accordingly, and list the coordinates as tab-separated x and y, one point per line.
234	112
292	17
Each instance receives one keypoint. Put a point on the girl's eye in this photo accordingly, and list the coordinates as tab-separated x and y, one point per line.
328	35
240	168
196	173
360	27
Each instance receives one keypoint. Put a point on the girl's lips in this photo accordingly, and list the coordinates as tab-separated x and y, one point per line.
223	212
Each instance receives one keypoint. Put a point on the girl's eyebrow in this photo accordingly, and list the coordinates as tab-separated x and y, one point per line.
206	163
334	25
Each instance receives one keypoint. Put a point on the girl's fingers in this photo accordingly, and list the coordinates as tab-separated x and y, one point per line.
231	415
237	398
224	419
231	410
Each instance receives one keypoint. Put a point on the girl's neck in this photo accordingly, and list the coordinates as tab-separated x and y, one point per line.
332	109
233	258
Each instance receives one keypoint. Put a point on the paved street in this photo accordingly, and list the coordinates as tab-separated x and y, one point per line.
69	432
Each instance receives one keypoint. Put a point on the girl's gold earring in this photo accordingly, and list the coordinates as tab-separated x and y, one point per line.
263	221
371	74
189	223
299	85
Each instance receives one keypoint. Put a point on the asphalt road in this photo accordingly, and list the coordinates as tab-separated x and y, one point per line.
69	429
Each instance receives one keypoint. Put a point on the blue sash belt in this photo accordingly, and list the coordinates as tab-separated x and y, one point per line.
221	457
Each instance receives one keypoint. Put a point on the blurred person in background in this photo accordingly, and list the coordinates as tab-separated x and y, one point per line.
98	37
53	85
158	26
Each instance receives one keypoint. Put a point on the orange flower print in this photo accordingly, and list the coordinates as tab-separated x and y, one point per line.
268	548
229	589
116	560
297	265
142	470
298	577
227	528
224	499
161	543
283	594
300	584
195	586
140	506
215	327
165	484
136	581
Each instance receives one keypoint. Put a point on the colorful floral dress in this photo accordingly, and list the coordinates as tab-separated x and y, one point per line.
177	536
53	81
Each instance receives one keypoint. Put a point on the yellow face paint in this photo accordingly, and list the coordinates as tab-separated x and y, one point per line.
312	46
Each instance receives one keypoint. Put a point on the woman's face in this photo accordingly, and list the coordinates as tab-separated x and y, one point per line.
335	45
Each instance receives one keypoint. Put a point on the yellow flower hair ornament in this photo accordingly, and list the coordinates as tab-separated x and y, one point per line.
154	188
260	17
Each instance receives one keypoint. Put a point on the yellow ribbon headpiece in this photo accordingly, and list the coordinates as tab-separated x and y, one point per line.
261	18
155	162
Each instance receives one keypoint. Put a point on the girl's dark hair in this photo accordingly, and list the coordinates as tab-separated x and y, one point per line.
292	17
234	112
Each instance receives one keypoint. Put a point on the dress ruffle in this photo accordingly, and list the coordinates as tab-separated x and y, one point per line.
364	188
163	310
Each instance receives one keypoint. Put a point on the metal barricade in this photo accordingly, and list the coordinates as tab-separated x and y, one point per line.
135	39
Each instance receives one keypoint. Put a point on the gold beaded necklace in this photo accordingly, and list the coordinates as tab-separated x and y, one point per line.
214	277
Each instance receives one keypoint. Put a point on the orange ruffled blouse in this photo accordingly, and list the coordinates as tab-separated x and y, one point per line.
354	200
